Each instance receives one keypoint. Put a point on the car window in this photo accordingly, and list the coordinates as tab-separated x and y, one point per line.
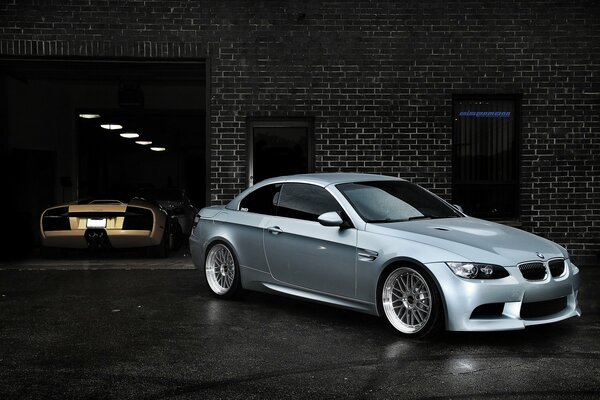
304	201
262	200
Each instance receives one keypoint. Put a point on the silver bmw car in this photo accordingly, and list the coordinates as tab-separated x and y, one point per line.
383	246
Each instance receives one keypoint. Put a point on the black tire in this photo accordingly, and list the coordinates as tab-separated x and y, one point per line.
176	236
222	271
409	300
162	249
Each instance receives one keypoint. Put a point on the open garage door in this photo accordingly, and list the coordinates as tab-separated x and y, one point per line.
56	147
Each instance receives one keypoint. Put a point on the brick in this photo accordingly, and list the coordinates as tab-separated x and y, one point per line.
378	78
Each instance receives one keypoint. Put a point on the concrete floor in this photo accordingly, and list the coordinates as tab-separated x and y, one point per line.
84	328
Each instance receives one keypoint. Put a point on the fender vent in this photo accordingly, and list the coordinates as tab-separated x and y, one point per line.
56	219
138	219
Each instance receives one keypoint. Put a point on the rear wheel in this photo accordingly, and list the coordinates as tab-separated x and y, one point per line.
411	302
222	271
176	236
162	249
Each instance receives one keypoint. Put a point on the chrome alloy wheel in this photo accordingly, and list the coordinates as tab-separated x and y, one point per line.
406	300
220	269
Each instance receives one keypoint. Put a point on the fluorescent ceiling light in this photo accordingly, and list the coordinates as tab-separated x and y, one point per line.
157	148
89	116
130	135
144	142
111	127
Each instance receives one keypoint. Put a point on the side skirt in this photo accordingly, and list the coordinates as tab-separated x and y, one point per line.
261	281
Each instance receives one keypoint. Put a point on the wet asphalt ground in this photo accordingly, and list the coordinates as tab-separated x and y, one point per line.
124	328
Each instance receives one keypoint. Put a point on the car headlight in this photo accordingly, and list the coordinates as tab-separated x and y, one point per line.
477	271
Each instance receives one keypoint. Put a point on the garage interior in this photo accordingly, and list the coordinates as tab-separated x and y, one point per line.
56	147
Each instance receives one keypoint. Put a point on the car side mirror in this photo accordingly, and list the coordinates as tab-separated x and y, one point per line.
459	208
330	219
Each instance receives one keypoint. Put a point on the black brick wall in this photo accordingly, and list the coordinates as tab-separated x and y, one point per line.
378	78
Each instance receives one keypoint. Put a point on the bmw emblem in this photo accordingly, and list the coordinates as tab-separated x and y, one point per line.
540	255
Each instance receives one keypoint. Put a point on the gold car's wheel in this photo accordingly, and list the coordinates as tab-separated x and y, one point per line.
222	272
162	249
410	301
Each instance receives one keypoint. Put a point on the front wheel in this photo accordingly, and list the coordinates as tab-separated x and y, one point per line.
222	271
411	302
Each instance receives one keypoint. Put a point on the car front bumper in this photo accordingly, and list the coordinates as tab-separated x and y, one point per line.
509	303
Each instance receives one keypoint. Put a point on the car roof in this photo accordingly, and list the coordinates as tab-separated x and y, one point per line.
319	179
326	179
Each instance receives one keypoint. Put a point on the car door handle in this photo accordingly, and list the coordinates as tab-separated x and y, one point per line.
275	230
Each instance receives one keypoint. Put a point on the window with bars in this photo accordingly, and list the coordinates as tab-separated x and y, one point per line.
486	156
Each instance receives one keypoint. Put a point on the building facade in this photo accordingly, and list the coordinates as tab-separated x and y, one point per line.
492	105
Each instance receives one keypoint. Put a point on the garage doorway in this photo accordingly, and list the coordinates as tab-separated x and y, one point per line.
153	150
56	107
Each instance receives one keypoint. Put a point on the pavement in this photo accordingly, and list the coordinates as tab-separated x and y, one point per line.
119	327
121	259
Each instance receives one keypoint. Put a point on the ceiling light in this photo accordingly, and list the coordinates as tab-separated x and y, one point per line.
130	135
111	127
89	116
144	142
157	148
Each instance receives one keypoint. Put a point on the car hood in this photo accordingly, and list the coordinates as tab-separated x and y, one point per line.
474	239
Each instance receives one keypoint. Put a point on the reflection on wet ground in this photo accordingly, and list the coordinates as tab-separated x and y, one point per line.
80	259
155	333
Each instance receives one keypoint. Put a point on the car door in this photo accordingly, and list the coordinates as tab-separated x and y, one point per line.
255	210
302	252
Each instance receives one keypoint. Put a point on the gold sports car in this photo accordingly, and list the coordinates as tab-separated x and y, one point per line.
104	224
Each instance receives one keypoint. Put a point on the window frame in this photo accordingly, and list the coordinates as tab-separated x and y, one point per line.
343	213
516	98
320	188
277	122
275	184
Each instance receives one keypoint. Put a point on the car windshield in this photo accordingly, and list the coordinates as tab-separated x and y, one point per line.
394	201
